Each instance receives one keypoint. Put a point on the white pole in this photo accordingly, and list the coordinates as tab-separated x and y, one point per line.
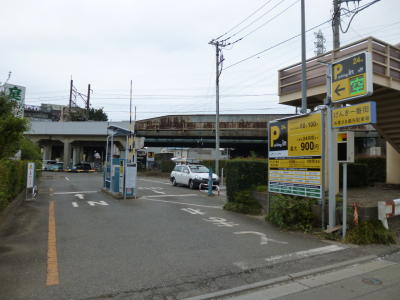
344	200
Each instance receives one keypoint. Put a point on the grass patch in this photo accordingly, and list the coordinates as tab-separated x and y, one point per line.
261	188
370	232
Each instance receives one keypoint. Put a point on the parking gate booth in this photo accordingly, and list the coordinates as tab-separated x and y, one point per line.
120	173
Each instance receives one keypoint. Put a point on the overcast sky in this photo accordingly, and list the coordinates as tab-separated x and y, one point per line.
162	46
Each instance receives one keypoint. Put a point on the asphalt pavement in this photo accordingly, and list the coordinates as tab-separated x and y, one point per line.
75	242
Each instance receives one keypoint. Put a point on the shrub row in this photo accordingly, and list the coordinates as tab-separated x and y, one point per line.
13	179
242	177
365	171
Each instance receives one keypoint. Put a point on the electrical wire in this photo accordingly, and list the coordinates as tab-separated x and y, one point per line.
274	46
245	19
254	21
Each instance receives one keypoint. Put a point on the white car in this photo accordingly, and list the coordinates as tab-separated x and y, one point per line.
191	175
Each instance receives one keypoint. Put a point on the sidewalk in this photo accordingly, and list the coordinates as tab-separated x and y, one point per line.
367	277
377	279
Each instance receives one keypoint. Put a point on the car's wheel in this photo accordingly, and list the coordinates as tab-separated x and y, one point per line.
174	182
192	185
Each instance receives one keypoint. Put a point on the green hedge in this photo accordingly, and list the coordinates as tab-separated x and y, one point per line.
357	175
244	203
13	179
211	165
365	171
243	174
376	168
167	166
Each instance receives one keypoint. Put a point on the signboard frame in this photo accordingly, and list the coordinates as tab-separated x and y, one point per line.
372	114
368	78
293	180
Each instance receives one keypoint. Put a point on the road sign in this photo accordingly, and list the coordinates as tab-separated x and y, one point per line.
30	178
17	94
359	114
299	177
150	156
295	156
299	136
351	78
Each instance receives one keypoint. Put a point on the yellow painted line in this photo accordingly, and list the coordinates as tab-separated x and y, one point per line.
52	264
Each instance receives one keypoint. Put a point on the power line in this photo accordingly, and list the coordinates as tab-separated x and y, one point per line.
245	19
268	21
274	46
254	21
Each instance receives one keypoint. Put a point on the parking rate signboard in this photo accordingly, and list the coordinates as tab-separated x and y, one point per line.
351	78
295	162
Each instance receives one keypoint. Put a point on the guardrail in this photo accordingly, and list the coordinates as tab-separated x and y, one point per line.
388	209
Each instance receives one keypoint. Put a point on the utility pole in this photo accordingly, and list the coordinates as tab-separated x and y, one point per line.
303	61
218	67
88	102
336	24
70	95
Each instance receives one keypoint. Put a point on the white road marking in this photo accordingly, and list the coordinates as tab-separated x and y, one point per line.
264	239
93	203
305	253
178	203
66	178
158	192
80	196
220	222
193	211
161	182
74	204
80	192
182	195
150	188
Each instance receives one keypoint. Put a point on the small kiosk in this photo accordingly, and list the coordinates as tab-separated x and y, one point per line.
120	172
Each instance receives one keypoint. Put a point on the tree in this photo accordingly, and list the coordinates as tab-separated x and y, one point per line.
30	150
95	114
11	128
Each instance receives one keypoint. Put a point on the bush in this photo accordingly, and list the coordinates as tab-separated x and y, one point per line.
357	175
376	168
12	179
291	212
370	232
167	166
30	150
244	174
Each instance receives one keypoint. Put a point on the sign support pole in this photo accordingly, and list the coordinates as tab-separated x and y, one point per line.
331	153
344	217
323	176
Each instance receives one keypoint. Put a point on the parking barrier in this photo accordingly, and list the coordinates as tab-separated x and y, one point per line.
388	209
206	185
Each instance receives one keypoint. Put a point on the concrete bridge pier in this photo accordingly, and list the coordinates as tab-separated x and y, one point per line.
67	152
392	165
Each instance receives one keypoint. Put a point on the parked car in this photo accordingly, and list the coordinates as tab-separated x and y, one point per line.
47	163
81	167
58	166
191	175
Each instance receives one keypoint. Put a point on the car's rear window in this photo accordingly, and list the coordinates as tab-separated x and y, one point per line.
199	169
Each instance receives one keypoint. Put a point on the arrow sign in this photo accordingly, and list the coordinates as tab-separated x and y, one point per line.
338	90
263	238
80	196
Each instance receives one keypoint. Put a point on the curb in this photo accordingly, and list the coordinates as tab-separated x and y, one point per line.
281	279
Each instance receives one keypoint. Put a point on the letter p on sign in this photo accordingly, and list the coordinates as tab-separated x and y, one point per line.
337	69
275	133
